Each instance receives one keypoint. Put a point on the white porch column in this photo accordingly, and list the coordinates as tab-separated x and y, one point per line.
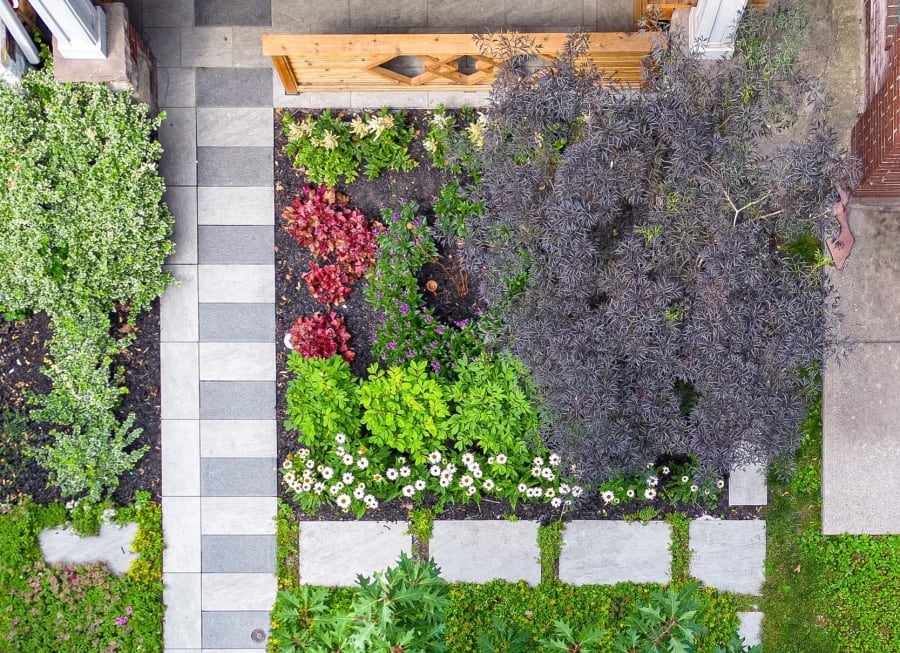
711	27
78	27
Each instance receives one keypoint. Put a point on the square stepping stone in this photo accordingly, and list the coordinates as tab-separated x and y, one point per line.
480	551
750	627
747	486
333	553
729	555
610	552
112	546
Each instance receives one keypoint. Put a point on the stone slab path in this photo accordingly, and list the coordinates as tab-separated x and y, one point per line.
111	545
609	552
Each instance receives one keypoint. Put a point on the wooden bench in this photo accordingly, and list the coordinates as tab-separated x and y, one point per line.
433	62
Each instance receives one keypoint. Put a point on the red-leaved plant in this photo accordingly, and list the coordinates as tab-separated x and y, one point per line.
321	336
328	283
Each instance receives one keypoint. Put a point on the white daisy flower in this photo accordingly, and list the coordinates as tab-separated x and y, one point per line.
446	475
665	470
306	487
377	478
362	463
319	487
289	478
408	490
470	490
567	503
490	460
303	454
343	502
340	451
522	487
538	461
556	503
405	472
450	468
554	460
694	488
652	481
650	494
327	473
359	492
434	470
287	464
529	492
576	491
477	473
336	489
649	465
401	460
468	458
548	474
444	482
419	484
340	438
536	471
391	474
607	496
347	478
720	483
501	459
310	464
685	479
465	481
434	457
370	501
488	484
549	493
564	489
629	493
347	459
538	492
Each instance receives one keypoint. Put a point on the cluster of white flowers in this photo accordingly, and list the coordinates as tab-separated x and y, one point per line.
475	131
377	124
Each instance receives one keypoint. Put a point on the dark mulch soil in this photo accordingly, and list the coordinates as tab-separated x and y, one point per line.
449	300
22	353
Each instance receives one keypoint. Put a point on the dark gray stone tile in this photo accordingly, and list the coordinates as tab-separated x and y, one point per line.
235	166
238	553
237	322
540	13
463	13
175	87
168	13
238	477
234	629
237	400
233	244
377	14
234	87
165	42
233	12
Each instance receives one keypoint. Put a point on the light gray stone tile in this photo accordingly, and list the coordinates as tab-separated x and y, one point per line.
178	136
464	13
363	547
233	12
372	15
237	322
181	532
235	166
729	555
181	625
540	13
236	245
165	42
178	306
614	16
179	380
238	592
238	438
237	400
229	284
455	99
236	205
316	16
205	46
238	515
239	554
228	630
238	477
182	202
747	486
180	458
242	126
750	628
480	551
610	552
307	100
237	361
175	86
233	87
394	99
111	545
246	50
589	15
168	13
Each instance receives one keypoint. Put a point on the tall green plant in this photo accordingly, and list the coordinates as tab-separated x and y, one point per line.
322	399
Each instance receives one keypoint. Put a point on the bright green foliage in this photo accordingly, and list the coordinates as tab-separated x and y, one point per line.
403	408
454	142
679	547
322	399
824	594
454	205
666	625
550	545
287	551
421	523
492	408
69	609
83	232
384	143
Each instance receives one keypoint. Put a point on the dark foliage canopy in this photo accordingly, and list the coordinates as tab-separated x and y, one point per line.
642	247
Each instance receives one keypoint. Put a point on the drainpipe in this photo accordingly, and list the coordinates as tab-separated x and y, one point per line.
9	18
78	27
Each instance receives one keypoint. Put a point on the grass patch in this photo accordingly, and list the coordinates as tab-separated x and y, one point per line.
825	594
679	546
550	545
287	551
67	609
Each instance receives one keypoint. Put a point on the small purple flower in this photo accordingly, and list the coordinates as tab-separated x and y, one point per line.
391	346
428	319
434	345
461	324
410	353
384	357
373	339
435	366
121	621
378	294
394	216
439	329
479	311
404	308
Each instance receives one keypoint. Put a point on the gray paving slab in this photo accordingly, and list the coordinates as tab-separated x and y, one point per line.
455	99
747	486
396	99
238	553
242	205
237	399
238	591
729	555
540	13
234	629
613	15
181	533
168	13
111	545
238	477
316	16
180	458
609	552
165	42
182	202
178	306
480	551
241	126
238	438
238	515
235	166
861	440
234	87
456	13
236	284
232	12
178	136
362	547
175	86
246	48
206	46
379	14
237	322
241	245
750	627
179	380
182	623
307	100
237	361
